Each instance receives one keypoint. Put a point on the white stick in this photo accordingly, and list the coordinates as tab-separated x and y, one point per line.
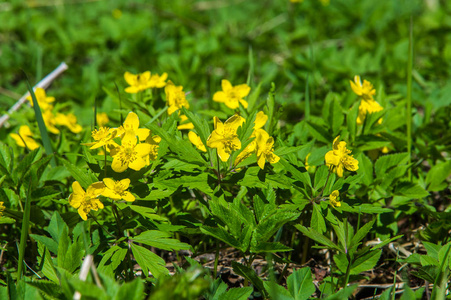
44	83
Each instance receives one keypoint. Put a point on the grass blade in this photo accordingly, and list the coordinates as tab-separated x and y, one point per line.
409	99
24	232
42	129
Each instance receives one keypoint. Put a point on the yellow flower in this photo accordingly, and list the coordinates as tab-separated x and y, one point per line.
117	13
368	107
307	166
224	138
365	90
86	201
43	100
248	151
339	158
260	121
232	96
157	81
175	97
129	155
25	138
196	141
117	190
130	129
265	149
2	208
185	125
69	120
333	199
138	82
102	119
154	142
103	137
50	122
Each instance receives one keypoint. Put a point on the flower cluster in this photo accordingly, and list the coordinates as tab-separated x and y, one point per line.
366	92
262	144
137	146
24	138
339	159
89	200
225	140
50	119
144	81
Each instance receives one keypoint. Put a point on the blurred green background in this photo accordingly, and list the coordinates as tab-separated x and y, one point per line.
198	43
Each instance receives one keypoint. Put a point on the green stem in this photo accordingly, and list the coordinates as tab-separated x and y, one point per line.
118	223
104	167
409	99
24	232
216	260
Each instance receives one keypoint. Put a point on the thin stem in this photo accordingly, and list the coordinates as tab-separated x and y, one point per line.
103	228
409	99
24	232
104	166
216	260
118	223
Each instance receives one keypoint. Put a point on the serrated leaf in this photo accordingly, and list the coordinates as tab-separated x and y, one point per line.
410	189
236	294
79	174
48	288
47	242
317	221
276	291
269	247
386	162
365	262
300	284
318	237
149	261
437	174
160	240
361	233
221	234
301	176
250	275
133	290
56	226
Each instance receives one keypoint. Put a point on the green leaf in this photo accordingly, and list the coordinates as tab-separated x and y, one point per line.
269	247
361	233
161	240
365	262
56	227
343	293
133	290
149	261
47	242
336	116
408	294
365	168
386	162
318	237
351	120
184	149
42	129
236	294
320	177
276	291
147	212
115	255
301	176
221	234
300	284
317	221
436	175
410	189
250	275
79	174
48	288
48	268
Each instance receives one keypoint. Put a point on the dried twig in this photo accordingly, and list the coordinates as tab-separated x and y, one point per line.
44	83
